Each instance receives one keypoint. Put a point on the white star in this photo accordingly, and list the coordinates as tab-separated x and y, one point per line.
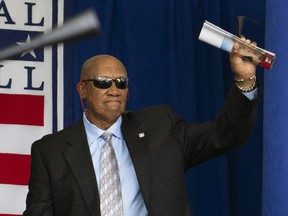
28	40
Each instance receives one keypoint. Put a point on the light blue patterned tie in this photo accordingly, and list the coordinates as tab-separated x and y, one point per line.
110	187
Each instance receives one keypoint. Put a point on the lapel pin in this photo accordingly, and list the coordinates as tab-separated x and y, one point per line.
141	135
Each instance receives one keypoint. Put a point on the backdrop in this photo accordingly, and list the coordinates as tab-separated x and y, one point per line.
275	160
158	43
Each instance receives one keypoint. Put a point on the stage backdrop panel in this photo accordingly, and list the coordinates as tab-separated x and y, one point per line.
31	93
275	160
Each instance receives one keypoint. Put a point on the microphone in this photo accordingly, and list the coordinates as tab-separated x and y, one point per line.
83	25
224	40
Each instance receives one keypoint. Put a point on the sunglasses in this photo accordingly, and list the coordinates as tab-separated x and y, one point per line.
106	82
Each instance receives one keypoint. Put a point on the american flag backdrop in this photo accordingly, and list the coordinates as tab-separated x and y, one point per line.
31	93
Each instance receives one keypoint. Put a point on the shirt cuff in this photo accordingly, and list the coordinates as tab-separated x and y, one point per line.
251	95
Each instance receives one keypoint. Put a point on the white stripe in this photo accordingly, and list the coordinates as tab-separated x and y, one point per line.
60	72
17	139
12	199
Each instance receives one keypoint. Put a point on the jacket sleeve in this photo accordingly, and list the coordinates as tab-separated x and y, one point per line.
231	128
39	196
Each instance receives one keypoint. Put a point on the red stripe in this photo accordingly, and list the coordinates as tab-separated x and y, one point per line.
22	109
9	215
14	169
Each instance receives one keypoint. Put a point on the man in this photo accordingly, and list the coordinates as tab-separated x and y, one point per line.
153	148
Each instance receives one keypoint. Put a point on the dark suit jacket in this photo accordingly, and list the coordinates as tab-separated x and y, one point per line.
63	181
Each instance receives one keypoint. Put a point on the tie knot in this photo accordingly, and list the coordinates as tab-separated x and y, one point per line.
106	136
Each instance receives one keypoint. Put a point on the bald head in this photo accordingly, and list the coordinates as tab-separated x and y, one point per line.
93	65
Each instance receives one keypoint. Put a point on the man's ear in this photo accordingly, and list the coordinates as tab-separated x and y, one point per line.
81	90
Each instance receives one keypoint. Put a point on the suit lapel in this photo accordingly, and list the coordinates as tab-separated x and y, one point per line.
79	159
136	141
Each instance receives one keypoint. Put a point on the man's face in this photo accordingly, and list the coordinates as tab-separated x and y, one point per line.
105	105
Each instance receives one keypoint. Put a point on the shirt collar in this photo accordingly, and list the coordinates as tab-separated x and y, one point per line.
93	132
